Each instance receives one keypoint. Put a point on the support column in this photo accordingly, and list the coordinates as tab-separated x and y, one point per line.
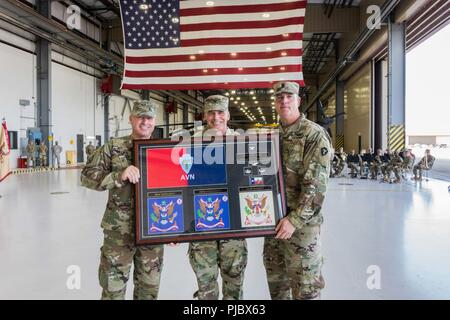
377	105
339	118
106	116
44	83
396	85
166	120
185	114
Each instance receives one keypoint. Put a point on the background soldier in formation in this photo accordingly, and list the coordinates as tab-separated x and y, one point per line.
395	165
43	154
408	160
426	163
31	148
293	259
89	150
366	159
230	256
386	160
399	163
334	165
353	161
341	157
376	164
56	154
110	168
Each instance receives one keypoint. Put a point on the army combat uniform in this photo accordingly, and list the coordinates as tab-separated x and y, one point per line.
395	165
31	148
293	266
103	172
89	151
43	154
230	256
375	166
342	159
426	163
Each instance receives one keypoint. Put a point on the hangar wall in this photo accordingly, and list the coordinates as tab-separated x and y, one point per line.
358	109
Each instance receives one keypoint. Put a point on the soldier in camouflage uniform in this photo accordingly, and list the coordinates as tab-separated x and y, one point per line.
110	168
408	160
293	259
230	256
89	150
342	156
376	164
43	154
31	148
353	160
395	165
426	163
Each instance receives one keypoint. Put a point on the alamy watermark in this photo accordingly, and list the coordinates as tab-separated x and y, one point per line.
73	281
374	280
374	20
73	20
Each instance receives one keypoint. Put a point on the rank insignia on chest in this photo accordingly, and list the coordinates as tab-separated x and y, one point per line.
324	151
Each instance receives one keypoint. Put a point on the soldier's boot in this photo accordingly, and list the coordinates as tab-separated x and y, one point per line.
274	263
203	257
148	263
232	263
397	177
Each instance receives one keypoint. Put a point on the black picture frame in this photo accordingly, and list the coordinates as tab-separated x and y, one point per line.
190	198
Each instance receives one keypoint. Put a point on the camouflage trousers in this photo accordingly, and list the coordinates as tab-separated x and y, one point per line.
117	254
293	266
206	258
43	160
417	170
353	168
30	161
339	168
374	168
392	168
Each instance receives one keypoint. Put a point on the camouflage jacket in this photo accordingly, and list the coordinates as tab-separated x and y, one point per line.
42	149
102	172
408	162
396	161
31	148
306	153
90	149
427	161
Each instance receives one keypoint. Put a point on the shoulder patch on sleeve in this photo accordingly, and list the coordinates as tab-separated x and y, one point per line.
324	151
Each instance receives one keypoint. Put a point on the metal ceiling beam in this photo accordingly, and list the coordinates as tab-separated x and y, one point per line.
111	5
349	56
28	19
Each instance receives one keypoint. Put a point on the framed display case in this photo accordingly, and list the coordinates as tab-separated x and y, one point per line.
208	188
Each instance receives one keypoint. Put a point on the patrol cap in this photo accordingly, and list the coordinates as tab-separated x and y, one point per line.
143	108
285	87
216	102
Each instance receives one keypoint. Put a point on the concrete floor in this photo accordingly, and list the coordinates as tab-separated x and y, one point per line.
402	231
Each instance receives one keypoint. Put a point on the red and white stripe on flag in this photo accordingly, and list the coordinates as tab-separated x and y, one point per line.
231	44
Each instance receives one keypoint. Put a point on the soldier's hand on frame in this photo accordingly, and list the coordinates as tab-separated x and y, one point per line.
131	173
173	244
284	229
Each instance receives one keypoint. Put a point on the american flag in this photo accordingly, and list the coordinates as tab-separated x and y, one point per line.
201	44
